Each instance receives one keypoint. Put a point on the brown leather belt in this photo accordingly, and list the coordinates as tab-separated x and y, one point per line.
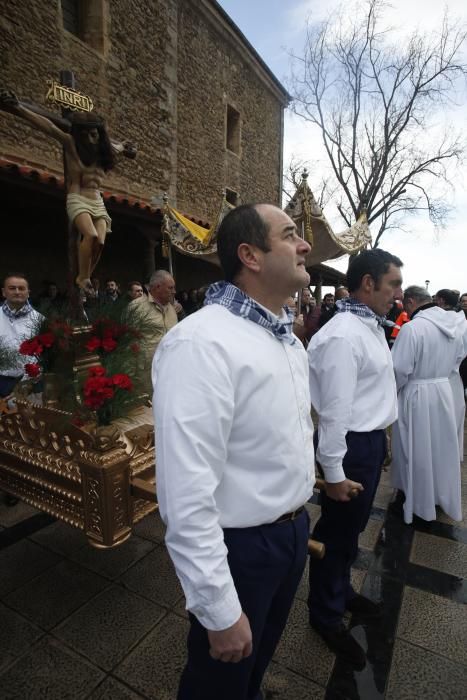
290	516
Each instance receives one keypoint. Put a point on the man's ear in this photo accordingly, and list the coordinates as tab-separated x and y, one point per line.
249	256
367	283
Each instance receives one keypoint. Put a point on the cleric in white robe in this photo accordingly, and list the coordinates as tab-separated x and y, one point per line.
426	457
448	299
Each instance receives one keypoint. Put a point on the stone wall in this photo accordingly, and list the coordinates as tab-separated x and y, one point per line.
213	72
127	84
162	76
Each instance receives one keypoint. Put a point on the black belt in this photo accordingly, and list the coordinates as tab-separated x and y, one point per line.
290	516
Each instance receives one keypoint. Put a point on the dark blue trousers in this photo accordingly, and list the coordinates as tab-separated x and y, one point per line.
339	527
7	384
266	563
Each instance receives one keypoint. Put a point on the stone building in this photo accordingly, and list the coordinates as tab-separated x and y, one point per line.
176	78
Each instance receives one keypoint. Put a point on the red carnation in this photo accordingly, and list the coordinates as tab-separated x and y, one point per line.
97	371
93	344
46	339
31	347
122	381
109	344
97	390
32	369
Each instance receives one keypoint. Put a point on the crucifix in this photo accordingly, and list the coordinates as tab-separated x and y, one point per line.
88	153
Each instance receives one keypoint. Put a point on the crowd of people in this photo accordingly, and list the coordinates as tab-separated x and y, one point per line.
236	449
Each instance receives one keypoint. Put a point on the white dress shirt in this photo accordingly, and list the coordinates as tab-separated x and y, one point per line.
352	385
234	445
12	333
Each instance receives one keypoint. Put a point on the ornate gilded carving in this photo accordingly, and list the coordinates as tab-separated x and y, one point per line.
93	506
79	476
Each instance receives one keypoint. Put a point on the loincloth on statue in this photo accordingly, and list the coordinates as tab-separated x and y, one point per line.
77	204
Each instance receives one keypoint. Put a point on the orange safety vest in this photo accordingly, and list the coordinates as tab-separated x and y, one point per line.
400	320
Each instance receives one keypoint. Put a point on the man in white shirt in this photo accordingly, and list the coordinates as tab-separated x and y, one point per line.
427	441
354	393
18	322
234	454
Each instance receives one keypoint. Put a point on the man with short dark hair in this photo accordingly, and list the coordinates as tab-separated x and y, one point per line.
427	443
311	313
111	294
18	322
135	291
234	453
447	299
353	391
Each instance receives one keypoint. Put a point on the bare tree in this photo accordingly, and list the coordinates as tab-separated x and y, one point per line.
375	101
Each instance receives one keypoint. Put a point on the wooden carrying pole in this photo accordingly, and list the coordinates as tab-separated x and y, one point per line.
147	491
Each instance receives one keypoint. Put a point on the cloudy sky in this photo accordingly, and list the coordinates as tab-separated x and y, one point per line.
274	27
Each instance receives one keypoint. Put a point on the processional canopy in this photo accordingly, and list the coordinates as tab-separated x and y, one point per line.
192	239
305	211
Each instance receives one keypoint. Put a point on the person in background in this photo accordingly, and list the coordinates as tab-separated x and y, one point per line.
447	299
111	294
311	312
353	391
329	308
18	322
156	315
135	291
51	303
426	445
192	303
298	326
463	303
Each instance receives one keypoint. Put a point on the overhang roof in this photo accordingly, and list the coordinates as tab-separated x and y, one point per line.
30	173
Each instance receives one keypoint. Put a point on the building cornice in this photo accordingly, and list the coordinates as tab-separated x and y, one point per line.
221	20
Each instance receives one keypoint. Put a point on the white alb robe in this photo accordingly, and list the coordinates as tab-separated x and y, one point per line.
425	445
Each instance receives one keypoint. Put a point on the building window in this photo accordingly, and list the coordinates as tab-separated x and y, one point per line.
233	130
88	20
71	16
231	197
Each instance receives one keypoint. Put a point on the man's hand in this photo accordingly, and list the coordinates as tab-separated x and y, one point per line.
343	490
232	644
129	150
8	100
299	320
178	307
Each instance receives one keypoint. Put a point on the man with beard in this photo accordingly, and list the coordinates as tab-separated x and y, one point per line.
88	154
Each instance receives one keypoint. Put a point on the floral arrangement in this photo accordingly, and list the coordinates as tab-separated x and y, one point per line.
108	336
106	394
54	339
110	390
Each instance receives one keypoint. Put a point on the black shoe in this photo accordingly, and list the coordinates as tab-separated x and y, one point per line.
11	500
364	607
341	642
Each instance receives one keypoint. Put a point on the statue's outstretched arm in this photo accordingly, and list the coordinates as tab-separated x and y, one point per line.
10	103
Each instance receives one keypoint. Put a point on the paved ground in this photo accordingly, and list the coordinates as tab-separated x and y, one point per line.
80	623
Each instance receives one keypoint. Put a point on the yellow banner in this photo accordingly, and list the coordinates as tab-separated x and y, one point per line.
199	232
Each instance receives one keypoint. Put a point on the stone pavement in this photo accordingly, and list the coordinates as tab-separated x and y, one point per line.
82	623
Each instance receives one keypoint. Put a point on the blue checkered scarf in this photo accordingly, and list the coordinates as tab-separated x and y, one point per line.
240	304
19	313
352	305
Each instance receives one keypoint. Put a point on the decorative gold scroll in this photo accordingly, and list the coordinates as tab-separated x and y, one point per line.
69	98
